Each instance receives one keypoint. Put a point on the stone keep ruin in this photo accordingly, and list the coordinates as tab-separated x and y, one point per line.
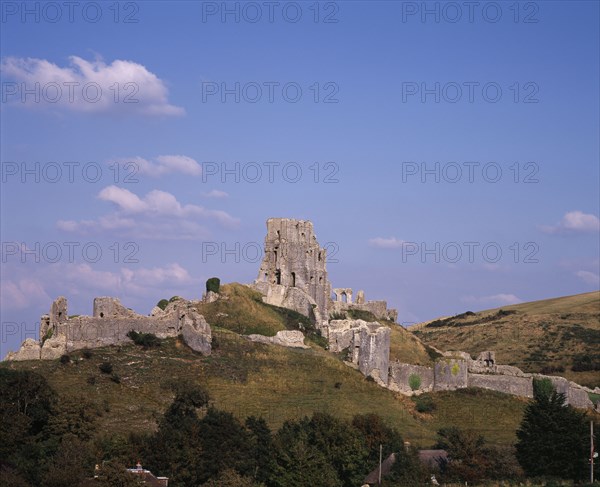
293	275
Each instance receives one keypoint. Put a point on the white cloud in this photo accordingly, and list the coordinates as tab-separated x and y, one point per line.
21	293
493	300
83	279
157	216
88	86
588	277
160	166
386	243
215	193
574	222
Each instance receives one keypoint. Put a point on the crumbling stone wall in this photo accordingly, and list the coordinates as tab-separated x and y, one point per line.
109	325
401	374
516	386
450	374
368	345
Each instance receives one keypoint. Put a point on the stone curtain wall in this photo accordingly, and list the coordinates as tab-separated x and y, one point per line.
109	325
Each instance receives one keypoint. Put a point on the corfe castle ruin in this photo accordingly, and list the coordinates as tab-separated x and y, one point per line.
293	274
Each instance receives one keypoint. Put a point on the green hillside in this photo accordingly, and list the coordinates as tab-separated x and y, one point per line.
560	336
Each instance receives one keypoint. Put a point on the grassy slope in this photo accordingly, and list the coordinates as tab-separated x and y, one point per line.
541	333
274	382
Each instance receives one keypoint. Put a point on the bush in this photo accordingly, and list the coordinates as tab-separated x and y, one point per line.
414	382
584	363
424	403
87	353
106	367
115	378
162	304
91	380
174	298
146	340
65	359
213	284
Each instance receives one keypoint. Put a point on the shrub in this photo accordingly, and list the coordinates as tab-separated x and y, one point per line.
213	284
162	304
87	353
48	335
146	340
414	382
584	363
424	403
174	298
91	380
115	378
106	367
65	359
542	388
338	385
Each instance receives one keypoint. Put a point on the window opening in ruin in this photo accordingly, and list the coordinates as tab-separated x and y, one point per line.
278	276
101	315
319	256
293	279
344	298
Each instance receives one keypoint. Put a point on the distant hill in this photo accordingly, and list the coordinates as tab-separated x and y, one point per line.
560	336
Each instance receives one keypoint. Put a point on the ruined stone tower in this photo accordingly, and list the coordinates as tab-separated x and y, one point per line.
293	259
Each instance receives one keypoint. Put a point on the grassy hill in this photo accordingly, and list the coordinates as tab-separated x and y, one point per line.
277	383
560	336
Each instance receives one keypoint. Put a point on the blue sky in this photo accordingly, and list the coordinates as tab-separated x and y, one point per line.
363	98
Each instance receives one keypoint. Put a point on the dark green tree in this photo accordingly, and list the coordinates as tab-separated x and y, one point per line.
72	463
175	449
261	444
407	470
467	458
552	438
376	432
226	444
298	462
213	284
26	404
